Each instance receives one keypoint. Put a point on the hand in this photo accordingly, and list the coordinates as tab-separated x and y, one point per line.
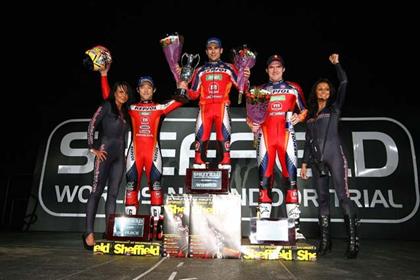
183	85
255	127
295	119
99	154
334	58
178	69
247	72
304	171
104	69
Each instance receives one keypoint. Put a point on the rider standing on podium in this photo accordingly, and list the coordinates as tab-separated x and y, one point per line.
144	153
211	83
276	136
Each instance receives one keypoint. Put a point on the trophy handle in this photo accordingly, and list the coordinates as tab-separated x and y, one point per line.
188	56
197	56
182	58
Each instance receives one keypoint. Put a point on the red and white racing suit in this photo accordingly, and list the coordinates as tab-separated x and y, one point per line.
144	153
276	137
212	83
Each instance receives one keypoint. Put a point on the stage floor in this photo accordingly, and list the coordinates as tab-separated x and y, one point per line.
58	255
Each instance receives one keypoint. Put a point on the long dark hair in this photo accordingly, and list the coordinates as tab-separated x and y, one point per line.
313	101
124	107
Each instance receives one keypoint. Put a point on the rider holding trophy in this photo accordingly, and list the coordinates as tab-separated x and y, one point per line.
211	83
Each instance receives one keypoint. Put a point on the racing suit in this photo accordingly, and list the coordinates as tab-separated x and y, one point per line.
212	83
276	137
144	153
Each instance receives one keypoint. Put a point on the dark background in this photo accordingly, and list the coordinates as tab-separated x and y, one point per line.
46	82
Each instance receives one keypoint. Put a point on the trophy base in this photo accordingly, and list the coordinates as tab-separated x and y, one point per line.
129	228
207	181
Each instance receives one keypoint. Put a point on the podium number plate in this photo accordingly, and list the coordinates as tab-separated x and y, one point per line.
135	227
207	181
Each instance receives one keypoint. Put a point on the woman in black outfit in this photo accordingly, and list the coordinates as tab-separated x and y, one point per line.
113	122
324	153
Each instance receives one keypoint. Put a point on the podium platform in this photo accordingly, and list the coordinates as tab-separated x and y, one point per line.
215	226
205	223
176	225
202	226
302	251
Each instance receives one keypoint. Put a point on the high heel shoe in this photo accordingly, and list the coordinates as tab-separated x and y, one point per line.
87	246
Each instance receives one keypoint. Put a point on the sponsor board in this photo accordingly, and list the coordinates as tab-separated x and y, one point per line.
382	170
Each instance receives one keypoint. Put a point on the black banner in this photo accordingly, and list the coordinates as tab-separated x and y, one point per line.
380	153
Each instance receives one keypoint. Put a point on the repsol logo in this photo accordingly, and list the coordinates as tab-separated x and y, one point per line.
216	69
141	108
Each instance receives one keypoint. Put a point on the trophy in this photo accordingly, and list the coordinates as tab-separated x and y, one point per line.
188	67
172	48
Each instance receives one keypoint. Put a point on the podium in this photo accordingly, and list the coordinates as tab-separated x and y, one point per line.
215	226
176	225
206	221
128	235
272	231
274	239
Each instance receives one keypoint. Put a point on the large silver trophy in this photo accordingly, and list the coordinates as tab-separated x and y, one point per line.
189	62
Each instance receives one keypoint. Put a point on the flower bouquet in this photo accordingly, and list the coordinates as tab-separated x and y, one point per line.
242	59
256	106
172	48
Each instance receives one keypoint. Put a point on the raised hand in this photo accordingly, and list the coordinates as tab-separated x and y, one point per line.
334	58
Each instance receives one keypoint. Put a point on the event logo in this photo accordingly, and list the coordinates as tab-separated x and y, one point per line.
380	153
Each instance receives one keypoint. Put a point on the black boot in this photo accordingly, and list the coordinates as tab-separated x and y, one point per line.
325	244
352	235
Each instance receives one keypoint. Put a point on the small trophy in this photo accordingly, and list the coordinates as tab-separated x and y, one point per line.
188	67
